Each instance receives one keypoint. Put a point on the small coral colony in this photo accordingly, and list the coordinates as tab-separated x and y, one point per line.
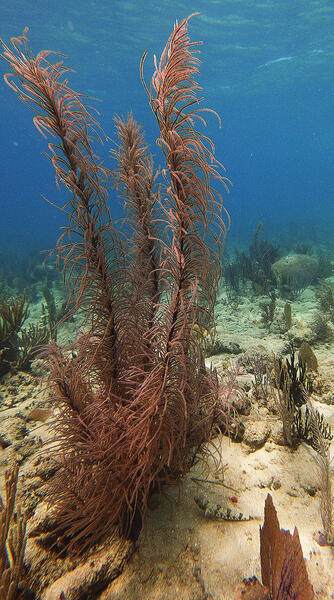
136	404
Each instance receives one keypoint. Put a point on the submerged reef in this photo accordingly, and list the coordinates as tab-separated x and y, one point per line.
131	406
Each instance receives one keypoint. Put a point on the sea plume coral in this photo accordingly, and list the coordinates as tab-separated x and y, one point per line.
283	569
136	402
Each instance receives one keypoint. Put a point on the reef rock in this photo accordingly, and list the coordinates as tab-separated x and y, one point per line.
256	434
295	271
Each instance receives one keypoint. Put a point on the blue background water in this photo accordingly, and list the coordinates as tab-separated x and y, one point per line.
267	68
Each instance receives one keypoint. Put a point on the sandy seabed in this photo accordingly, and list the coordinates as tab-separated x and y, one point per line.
182	553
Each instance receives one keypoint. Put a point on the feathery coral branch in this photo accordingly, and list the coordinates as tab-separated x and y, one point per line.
62	114
136	403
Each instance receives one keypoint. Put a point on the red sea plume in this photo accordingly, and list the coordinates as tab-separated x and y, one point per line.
135	402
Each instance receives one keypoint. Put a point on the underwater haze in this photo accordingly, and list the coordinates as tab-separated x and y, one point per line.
147	359
267	69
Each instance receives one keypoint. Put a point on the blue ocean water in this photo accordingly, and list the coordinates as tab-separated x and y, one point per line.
267	68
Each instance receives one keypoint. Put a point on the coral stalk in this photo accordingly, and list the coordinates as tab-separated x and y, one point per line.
136	403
